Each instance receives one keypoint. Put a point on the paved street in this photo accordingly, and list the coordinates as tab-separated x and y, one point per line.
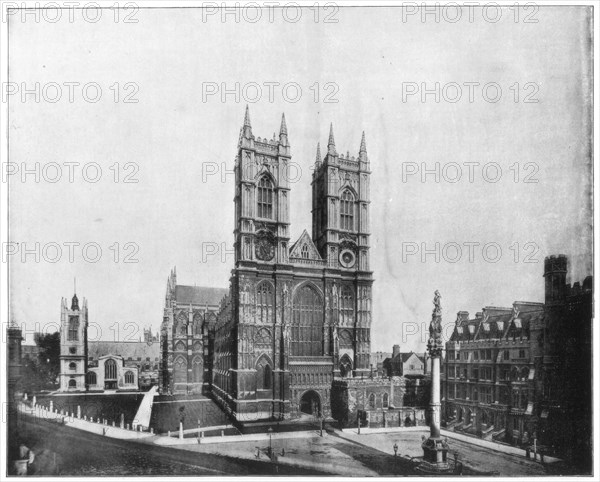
63	450
348	453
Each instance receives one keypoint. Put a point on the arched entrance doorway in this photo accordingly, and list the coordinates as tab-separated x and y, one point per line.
310	403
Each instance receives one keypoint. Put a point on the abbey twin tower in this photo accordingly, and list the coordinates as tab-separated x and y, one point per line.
297	315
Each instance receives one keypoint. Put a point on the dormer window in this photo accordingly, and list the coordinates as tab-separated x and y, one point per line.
265	198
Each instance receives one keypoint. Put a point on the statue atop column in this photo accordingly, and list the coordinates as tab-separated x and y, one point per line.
435	448
435	343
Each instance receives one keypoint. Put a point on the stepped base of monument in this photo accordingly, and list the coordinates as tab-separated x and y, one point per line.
435	453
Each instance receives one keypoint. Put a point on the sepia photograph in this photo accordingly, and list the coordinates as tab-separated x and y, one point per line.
298	239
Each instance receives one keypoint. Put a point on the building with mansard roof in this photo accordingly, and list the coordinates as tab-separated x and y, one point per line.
522	372
298	314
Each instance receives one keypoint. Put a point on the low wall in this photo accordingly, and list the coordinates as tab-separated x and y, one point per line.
71	420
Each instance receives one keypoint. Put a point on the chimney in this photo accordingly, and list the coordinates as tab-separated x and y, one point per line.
395	351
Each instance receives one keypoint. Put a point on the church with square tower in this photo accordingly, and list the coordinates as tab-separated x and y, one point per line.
297	315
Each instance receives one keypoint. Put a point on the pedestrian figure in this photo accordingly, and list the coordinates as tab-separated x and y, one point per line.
282	451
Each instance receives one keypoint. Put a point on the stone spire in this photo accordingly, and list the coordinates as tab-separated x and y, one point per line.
363	144
247	129
331	143
283	133
318	160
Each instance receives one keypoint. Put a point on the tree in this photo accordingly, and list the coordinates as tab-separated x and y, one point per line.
48	358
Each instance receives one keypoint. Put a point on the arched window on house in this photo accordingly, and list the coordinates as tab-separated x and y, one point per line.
265	198
129	378
347	211
110	369
386	400
372	401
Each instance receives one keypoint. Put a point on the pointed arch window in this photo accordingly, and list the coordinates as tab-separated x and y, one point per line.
73	334
265	198
91	378
347	306
347	211
129	378
386	400
197	370
264	302
110	369
307	323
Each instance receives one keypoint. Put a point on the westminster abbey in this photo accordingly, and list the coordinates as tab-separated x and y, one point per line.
297	315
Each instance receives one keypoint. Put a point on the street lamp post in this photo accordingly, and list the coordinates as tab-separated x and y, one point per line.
270	442
395	455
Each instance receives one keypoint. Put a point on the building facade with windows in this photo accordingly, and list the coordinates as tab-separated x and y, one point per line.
523	373
490	372
112	374
297	315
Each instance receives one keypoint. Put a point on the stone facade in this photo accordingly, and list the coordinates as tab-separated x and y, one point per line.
298	316
187	337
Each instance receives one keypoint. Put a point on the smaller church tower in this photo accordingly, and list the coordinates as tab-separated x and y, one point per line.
73	345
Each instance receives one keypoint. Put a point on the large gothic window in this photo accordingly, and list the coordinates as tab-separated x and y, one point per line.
265	198
73	334
110	369
347	211
264	302
307	323
347	307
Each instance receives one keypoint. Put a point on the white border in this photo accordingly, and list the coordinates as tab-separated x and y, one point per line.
190	3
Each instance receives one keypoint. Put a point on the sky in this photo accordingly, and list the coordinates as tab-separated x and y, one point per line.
521	145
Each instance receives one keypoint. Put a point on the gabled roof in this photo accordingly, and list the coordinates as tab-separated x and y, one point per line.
304	240
199	295
126	349
498	323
